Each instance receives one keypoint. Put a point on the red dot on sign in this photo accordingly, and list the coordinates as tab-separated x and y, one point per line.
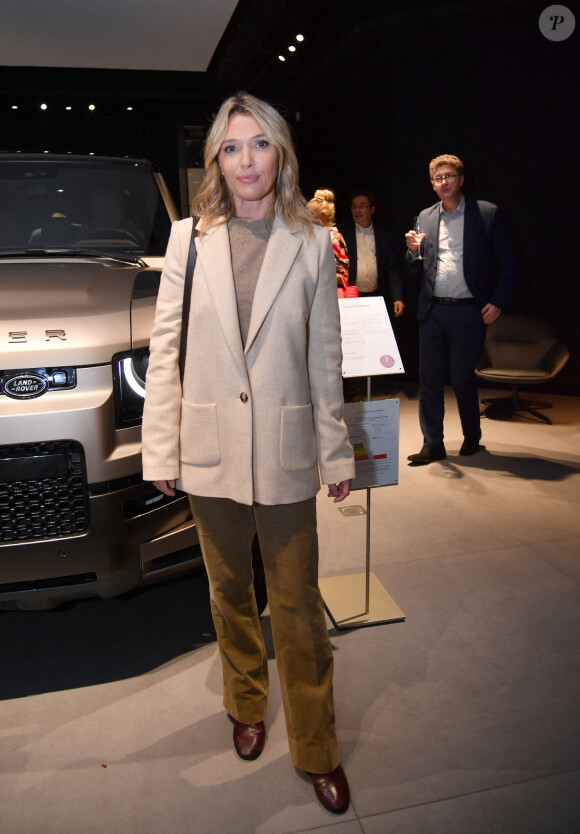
387	361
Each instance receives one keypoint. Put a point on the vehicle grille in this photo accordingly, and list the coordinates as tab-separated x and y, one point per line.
43	490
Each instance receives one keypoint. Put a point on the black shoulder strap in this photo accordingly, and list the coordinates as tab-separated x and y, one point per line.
187	283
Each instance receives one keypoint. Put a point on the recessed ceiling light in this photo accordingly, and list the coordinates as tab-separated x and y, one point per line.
15	107
300	38
68	107
44	106
291	49
281	58
92	107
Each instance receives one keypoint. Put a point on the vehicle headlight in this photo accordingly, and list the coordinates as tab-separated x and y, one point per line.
129	372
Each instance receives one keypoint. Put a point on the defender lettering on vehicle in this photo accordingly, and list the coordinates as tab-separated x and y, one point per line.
19	336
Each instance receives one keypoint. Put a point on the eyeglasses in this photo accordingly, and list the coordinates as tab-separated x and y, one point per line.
442	177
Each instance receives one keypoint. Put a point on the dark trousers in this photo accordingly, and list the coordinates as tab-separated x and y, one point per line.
451	338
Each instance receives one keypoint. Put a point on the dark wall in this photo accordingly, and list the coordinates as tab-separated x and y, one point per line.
372	99
161	102
485	85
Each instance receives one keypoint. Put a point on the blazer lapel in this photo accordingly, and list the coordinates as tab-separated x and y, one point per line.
214	254
469	229
430	225
281	253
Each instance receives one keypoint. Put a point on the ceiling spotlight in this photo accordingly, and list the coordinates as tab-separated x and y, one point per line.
129	108
291	49
281	58
15	107
92	107
68	107
44	106
300	38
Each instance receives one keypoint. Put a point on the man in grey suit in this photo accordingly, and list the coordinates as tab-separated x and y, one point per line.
456	250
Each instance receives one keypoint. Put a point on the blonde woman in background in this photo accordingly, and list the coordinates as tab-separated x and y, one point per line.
323	210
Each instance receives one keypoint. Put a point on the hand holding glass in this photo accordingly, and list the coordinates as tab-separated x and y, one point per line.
419	235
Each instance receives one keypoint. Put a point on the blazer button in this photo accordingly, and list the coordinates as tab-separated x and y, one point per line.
244	397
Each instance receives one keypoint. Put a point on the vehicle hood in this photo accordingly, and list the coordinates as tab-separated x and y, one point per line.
68	312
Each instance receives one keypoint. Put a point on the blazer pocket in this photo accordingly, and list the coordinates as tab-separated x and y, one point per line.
297	440
199	435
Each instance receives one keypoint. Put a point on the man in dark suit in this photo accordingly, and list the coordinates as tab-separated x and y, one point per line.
460	243
374	266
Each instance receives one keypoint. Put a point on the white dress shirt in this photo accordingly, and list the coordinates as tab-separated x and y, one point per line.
449	277
367	277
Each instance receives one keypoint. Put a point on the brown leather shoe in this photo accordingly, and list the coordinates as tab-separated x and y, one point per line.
332	790
249	739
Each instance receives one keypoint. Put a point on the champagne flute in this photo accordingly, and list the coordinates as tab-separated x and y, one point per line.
417	230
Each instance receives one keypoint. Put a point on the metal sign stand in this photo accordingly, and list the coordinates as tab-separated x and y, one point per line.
340	593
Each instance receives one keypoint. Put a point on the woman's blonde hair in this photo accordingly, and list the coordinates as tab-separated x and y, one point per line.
325	199
213	202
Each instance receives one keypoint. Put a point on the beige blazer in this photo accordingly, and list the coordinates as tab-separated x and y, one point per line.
253	424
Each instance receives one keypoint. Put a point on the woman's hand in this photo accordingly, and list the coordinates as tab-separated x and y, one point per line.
339	491
166	487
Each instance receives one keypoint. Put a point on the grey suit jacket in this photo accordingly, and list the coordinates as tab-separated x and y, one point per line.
253	423
490	262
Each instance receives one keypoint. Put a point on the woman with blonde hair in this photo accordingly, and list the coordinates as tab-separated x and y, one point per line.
323	211
256	423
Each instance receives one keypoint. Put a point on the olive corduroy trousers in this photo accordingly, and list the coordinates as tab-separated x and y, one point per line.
289	547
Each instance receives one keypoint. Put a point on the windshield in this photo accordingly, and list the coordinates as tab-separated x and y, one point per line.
97	206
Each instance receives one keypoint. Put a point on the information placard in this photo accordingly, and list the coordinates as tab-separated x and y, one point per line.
373	428
369	347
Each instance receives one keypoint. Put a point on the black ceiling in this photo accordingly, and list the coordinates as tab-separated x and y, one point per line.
337	36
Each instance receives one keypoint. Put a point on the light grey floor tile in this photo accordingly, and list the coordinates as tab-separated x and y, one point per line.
480	683
461	719
563	554
348	827
539	806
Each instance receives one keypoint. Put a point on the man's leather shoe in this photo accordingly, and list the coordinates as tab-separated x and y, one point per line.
249	739
428	454
470	447
332	790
